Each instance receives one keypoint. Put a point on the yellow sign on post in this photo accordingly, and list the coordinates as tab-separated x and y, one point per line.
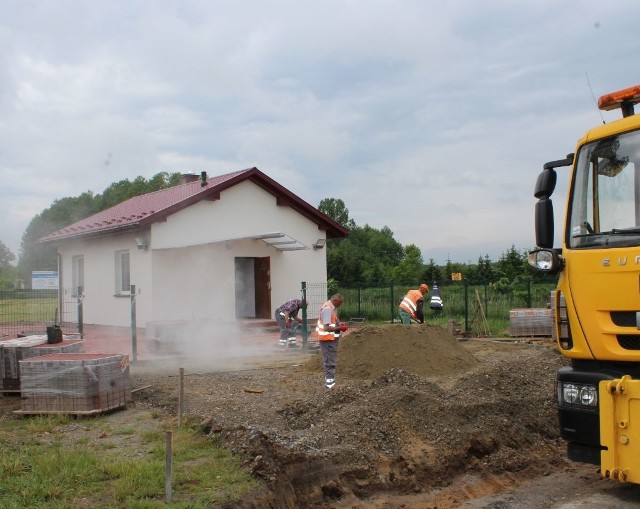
456	276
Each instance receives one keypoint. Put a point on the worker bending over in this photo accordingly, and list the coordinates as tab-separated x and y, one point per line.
412	305
285	313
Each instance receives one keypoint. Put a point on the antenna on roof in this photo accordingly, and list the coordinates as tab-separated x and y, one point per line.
594	97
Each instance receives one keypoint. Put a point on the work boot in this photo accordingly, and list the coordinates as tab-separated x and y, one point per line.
292	343
282	343
329	383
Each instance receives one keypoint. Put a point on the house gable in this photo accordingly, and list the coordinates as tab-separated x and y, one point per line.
243	212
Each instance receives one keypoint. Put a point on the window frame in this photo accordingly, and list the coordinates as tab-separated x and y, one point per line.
77	274
122	272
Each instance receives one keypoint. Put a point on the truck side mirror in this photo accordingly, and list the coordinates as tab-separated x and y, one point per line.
544	223
546	183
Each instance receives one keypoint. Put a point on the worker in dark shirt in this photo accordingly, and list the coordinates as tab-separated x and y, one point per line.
285	314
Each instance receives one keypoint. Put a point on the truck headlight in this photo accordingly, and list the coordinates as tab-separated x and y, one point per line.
588	395
569	393
545	260
581	395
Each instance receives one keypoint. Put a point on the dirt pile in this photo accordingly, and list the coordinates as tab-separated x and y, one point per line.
413	410
427	350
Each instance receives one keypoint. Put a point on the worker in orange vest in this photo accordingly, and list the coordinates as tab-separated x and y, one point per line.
411	306
329	329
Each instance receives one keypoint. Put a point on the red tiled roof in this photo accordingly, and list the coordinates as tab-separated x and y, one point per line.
152	207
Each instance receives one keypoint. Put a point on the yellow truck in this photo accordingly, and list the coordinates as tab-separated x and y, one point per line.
597	300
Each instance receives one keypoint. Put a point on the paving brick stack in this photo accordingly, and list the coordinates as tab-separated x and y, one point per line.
12	351
531	322
75	383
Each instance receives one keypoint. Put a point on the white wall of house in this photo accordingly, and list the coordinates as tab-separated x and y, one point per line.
195	260
188	270
244	210
194	283
101	304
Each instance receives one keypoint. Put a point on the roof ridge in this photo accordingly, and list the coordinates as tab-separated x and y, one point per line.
147	208
227	175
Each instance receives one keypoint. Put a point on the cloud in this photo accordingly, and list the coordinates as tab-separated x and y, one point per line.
430	117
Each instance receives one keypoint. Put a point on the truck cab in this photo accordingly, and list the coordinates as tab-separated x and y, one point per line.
597	300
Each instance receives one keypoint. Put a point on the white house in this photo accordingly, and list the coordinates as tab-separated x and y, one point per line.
220	248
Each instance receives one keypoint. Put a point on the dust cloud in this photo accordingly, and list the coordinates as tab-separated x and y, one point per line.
207	346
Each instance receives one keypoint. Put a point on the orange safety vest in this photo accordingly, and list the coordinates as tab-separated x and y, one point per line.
410	302
327	335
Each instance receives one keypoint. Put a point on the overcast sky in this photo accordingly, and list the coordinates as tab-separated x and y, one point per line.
430	117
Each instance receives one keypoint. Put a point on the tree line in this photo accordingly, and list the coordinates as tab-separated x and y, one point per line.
62	213
368	256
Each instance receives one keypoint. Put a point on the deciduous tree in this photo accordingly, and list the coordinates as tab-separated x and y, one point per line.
336	210
66	211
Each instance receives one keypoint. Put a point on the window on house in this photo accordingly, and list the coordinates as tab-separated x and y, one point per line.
77	274
123	284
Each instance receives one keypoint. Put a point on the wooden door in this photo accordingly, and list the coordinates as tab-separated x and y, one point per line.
262	270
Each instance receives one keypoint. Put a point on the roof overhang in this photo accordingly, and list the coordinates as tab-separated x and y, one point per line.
278	240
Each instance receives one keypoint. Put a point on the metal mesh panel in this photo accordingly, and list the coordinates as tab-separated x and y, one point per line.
31	311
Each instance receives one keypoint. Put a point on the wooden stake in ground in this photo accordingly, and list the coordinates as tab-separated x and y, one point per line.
181	397
168	466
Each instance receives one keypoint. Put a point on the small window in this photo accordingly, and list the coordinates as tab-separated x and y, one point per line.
77	276
123	275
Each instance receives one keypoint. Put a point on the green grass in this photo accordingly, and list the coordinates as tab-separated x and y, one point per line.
17	311
43	466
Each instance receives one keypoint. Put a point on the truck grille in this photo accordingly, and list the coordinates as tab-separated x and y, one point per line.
624	318
629	341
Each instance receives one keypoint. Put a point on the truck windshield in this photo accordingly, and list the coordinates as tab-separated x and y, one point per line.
605	198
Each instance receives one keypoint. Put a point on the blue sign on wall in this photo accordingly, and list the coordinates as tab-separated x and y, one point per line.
44	279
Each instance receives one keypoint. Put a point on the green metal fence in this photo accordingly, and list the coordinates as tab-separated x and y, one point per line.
475	307
29	311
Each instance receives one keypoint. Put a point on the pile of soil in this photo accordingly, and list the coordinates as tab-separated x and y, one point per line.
414	411
428	350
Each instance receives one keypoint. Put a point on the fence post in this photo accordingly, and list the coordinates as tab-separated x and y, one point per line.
80	317
466	306
529	292
305	323
168	466
359	299
180	396
134	328
392	307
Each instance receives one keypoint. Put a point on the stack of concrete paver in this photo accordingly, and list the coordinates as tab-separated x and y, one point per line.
531	322
12	351
75	383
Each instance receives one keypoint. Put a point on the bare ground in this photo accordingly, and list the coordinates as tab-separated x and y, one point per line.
418	419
